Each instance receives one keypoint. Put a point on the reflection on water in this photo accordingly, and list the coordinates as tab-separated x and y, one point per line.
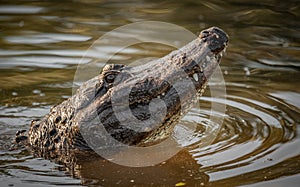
42	43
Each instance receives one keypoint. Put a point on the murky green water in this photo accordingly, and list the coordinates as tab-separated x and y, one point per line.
258	145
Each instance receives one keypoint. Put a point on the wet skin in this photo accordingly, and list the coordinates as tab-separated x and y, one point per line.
156	81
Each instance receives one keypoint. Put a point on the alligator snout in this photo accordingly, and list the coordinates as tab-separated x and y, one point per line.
217	39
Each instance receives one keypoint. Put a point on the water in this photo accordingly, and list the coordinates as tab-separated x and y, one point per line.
258	144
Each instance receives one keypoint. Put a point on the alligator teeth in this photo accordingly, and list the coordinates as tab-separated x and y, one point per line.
195	76
207	58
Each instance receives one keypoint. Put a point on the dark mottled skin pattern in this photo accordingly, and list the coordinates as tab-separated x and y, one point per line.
59	130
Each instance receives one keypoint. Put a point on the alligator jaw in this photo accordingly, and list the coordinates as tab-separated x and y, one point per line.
198	60
136	105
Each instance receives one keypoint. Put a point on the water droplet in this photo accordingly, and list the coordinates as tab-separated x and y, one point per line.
36	91
247	71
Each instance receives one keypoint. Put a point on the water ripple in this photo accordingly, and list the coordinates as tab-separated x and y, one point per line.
44	38
20	9
251	137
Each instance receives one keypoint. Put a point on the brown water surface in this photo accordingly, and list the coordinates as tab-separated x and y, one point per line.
259	143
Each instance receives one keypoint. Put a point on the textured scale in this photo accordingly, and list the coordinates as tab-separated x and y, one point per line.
59	130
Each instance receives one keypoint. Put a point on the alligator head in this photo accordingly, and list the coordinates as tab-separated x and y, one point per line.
134	105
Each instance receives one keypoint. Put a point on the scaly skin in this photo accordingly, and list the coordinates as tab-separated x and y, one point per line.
60	129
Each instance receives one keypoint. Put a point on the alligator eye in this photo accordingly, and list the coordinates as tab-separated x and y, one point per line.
110	78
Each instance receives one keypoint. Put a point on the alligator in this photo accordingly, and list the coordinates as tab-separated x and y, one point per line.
154	97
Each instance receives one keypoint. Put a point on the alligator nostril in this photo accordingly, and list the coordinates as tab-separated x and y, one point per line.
204	34
220	33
